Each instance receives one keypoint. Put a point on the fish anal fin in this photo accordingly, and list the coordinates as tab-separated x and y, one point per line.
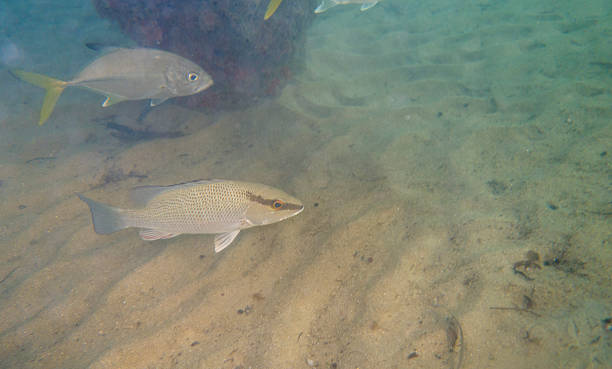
153	234
366	6
223	240
111	100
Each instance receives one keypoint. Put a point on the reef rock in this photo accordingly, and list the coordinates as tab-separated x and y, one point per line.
247	57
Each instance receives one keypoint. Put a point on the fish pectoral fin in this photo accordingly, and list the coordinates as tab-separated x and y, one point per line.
155	102
325	4
367	6
153	234
223	240
112	99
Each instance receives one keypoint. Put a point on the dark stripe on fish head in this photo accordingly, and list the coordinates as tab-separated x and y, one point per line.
271	210
275	204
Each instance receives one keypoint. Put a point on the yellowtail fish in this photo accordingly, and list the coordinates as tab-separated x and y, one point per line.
208	206
272	6
127	74
326	4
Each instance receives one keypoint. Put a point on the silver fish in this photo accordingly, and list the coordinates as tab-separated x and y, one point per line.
326	4
208	206
127	74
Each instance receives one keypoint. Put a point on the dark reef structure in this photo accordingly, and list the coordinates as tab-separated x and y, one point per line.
247	57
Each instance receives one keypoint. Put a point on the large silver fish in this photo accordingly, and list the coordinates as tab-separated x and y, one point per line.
208	206
127	74
326	4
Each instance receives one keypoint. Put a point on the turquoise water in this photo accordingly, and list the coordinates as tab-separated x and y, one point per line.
438	147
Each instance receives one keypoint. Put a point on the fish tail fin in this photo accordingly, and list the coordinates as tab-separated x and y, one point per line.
54	88
272	6
106	219
325	4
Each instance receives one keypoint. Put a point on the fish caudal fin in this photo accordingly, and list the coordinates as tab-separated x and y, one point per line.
54	88
106	219
272	6
325	4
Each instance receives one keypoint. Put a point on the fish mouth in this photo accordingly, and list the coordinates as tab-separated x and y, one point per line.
299	211
207	85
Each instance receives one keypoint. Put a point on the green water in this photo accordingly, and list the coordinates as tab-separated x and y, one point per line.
433	144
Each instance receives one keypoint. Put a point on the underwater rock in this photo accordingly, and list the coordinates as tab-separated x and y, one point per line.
247	57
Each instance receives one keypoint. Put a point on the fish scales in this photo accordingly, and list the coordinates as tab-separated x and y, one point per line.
196	209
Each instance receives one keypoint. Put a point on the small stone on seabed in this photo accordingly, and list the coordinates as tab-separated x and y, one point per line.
311	362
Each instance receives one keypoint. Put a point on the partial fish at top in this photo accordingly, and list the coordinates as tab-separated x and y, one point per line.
326	4
127	74
272	6
208	206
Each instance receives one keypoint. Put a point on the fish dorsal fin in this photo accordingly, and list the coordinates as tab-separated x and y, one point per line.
104	48
143	194
366	6
223	240
325	4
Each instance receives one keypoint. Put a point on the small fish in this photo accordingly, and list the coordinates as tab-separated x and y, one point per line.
272	6
127	74
326	4
207	206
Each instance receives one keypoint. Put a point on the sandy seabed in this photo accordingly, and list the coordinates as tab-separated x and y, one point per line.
455	164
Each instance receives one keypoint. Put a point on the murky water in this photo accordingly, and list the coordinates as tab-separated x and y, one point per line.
454	160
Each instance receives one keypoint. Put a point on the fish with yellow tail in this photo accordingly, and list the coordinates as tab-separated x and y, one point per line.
215	206
272	6
326	4
127	74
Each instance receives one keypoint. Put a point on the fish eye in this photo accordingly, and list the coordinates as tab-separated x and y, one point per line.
191	76
277	204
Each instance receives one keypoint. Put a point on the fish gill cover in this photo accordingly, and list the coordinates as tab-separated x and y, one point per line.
247	57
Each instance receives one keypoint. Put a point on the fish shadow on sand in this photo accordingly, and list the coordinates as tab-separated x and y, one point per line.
128	134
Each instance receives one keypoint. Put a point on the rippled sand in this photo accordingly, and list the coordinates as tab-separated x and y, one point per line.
433	145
